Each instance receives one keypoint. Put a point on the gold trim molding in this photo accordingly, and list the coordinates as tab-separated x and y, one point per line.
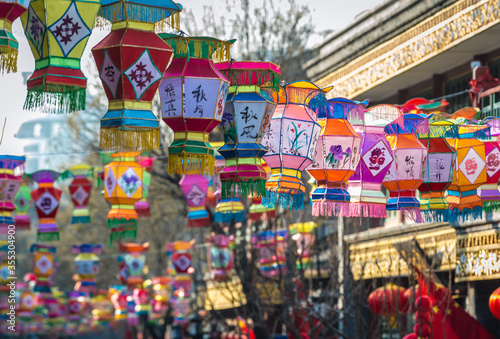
378	259
442	31
478	256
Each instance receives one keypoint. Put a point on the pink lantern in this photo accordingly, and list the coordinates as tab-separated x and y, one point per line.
291	140
194	187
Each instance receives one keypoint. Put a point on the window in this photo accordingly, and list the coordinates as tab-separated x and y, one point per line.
456	86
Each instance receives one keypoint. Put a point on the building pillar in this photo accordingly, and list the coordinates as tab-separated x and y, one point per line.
470	301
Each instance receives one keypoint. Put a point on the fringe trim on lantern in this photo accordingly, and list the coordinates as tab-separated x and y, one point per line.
8	60
80	219
466	214
130	234
42	287
57	99
436	215
286	200
188	163
124	138
367	210
122	223
491	205
229	217
412	214
102	24
235	189
173	21
47	236
324	207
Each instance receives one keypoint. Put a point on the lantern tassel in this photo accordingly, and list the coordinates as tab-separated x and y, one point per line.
229	217
466	214
47	236
122	223
324	207
8	60
57	99
286	200
137	139
436	215
367	210
413	214
130	234
491	205
188	163
234	189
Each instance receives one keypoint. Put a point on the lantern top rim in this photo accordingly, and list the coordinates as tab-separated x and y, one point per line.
43	248
246	65
11	161
44	176
133	247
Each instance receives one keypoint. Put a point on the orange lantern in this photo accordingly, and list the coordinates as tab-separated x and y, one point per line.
495	303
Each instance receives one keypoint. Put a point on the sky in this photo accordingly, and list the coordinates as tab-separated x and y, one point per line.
331	14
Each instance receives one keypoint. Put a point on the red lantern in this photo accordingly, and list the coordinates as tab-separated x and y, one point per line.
495	303
388	300
80	189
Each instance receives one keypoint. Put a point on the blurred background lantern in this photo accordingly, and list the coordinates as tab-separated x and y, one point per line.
365	185
494	303
9	186
46	198
469	174
102	308
119	299
489	193
9	11
57	32
405	174
194	187
161	288
141	300
388	301
229	210
43	266
247	112
76	306
291	140
131	61
221	256
180	255
336	157
80	189
304	235
25	301
123	188
87	267
134	260
142	206
22	202
192	95
257	210
438	170
272	246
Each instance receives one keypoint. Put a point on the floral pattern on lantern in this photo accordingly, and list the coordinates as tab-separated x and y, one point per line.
134	260
123	188
221	256
192	94
9	186
489	193
438	170
405	174
57	32
80	189
43	266
291	140
87	267
46	198
9	12
131	61
247	112
22	202
194	187
304	236
336	157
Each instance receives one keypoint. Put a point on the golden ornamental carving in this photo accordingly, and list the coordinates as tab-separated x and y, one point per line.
434	35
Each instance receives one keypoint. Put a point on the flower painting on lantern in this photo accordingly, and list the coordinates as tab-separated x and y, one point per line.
297	137
129	182
472	165
493	162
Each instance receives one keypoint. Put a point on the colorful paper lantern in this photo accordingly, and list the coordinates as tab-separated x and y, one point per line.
142	206
247	112
46	198
43	266
161	288
438	170
336	157
291	140
9	12
388	300
25	301
9	185
119	299
134	261
494	303
87	267
489	193
272	247
131	61
75	306
57	32
22	202
259	211
194	187
405	174
123	188
180	253
469	174
141	300
221	256
304	236
80	189
192	95
365	185
229	210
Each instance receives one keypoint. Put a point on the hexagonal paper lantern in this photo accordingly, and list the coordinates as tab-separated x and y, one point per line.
46	198
80	189
133	260
57	32
192	95
221	256
43	266
291	140
272	247
9	185
131	61
9	12
248	110
180	253
123	188
87	267
336	158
